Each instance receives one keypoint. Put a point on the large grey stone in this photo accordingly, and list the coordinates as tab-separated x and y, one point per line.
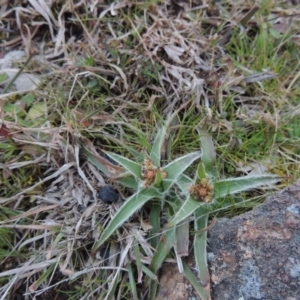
256	255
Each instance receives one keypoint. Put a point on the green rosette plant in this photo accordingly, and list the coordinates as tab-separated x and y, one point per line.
174	194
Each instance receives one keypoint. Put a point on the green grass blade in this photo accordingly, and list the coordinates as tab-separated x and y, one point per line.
153	289
113	287
18	74
132	283
235	185
194	282
131	205
137	261
200	244
126	179
158	178
208	152
177	167
117	141
149	273
100	163
129	165
155	153
186	210
166	242
154	220
44	276
201	172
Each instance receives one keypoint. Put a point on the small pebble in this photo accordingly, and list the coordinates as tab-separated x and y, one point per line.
81	208
108	194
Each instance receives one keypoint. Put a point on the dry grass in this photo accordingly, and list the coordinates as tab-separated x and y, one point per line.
108	73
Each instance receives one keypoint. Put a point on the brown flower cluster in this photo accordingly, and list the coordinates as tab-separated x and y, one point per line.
149	172
202	191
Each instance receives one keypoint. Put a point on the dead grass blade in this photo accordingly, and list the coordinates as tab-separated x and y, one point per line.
54	175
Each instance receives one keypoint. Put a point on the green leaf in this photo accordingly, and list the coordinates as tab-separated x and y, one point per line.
186	210
45	275
109	170
12	108
153	289
155	154
201	173
154	220
208	151
158	178
184	182
165	244
131	205
234	185
149	273
200	243
132	283
99	162
8	146
194	282
37	110
3	78
128	181
129	165
177	167
28	99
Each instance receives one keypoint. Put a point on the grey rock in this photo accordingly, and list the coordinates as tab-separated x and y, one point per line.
257	255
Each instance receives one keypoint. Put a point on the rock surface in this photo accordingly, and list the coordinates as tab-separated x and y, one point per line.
257	255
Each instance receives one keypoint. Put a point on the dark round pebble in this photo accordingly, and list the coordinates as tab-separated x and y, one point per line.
81	208
108	194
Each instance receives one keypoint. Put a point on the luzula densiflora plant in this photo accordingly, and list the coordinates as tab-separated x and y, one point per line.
175	194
